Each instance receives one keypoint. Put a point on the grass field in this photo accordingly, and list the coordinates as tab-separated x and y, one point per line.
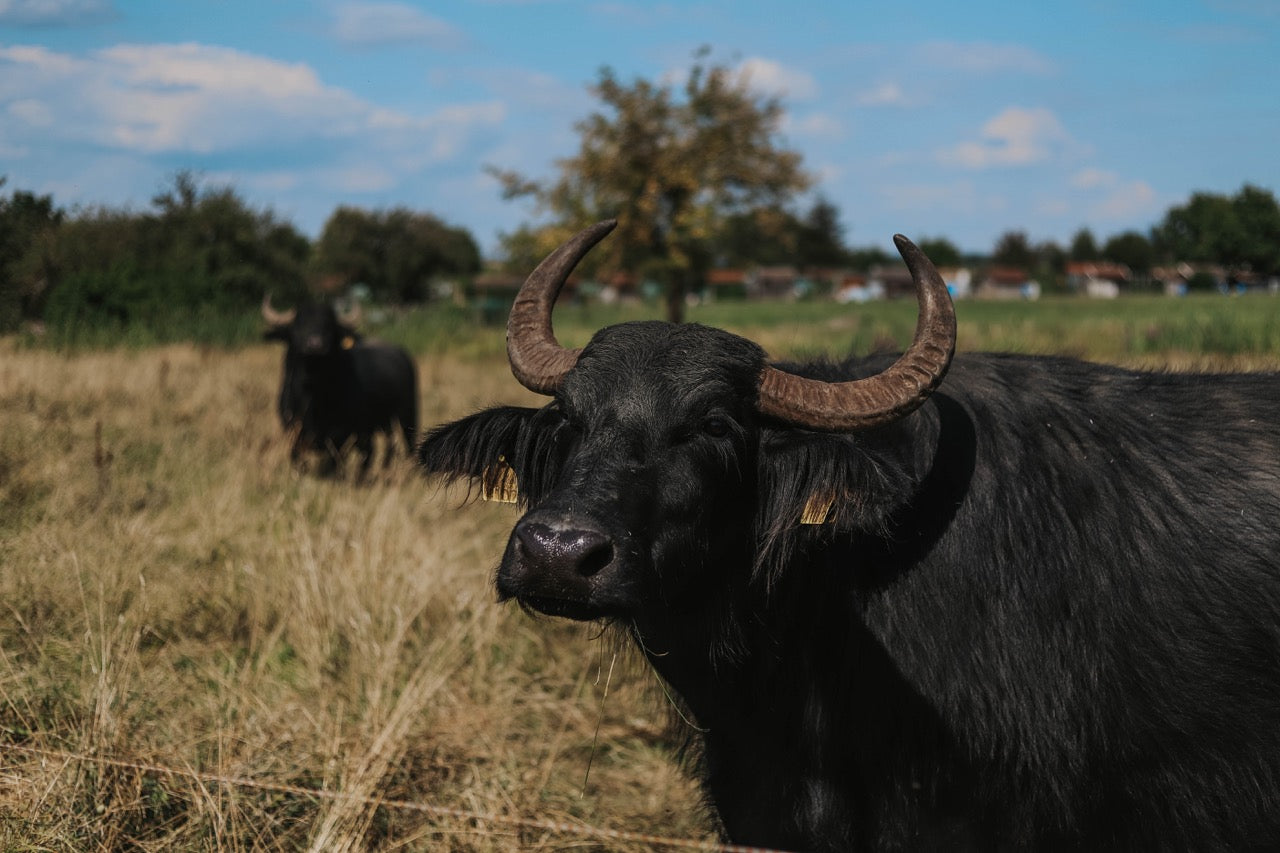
174	595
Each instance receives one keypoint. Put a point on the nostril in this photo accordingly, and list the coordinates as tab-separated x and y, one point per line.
595	554
534	542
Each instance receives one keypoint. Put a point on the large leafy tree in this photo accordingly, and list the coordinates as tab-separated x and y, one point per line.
671	165
395	252
1240	231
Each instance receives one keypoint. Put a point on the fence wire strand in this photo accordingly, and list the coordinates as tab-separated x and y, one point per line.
556	826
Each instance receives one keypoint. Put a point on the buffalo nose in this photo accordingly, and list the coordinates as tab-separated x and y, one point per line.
546	548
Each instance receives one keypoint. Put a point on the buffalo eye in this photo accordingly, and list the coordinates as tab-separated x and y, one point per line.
572	421
716	426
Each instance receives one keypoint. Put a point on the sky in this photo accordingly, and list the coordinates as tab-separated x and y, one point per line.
933	119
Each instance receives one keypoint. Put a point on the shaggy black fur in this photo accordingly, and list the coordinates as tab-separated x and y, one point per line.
339	389
1044	613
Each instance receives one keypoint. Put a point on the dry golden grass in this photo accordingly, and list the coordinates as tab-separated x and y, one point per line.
174	594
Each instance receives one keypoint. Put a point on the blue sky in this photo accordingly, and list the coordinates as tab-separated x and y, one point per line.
937	118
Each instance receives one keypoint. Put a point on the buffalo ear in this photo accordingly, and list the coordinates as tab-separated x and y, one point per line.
486	448
817	479
276	333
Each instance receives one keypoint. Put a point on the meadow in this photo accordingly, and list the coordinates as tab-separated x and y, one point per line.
203	649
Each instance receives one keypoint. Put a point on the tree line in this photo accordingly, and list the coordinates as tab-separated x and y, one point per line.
201	252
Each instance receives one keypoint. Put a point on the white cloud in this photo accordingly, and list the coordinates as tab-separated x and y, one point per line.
1113	197
202	99
772	78
197	67
34	56
33	112
1128	200
1091	178
883	95
373	24
53	13
1015	137
815	125
984	57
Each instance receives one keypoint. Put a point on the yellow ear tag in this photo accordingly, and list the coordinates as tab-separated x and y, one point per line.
817	508
348	342
498	483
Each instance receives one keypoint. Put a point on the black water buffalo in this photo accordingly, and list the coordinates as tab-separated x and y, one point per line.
995	602
339	389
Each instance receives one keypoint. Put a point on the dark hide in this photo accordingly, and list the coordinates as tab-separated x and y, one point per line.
339	389
1044	612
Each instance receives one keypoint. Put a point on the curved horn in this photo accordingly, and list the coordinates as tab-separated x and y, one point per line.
538	361
889	395
353	315
274	317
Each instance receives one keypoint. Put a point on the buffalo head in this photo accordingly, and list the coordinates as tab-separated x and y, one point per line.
312	329
669	453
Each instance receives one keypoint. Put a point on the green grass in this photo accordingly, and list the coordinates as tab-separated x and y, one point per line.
1132	329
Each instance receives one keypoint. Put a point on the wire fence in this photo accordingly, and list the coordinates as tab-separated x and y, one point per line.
463	815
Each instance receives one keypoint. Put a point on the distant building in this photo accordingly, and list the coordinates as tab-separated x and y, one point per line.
726	284
772	282
892	280
1097	279
959	281
1007	283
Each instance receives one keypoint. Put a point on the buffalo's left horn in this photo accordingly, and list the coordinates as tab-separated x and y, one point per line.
538	361
274	317
889	395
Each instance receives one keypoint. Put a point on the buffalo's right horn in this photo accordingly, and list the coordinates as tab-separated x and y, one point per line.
274	317
538	361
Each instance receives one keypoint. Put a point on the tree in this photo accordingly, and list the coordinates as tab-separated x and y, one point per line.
27	225
395	252
866	257
1131	249
200	251
941	251
821	242
1014	250
1241	231
1259	216
764	236
1050	262
1083	246
770	236
671	167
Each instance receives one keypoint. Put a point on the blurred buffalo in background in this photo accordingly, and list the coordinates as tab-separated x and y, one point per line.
339	389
